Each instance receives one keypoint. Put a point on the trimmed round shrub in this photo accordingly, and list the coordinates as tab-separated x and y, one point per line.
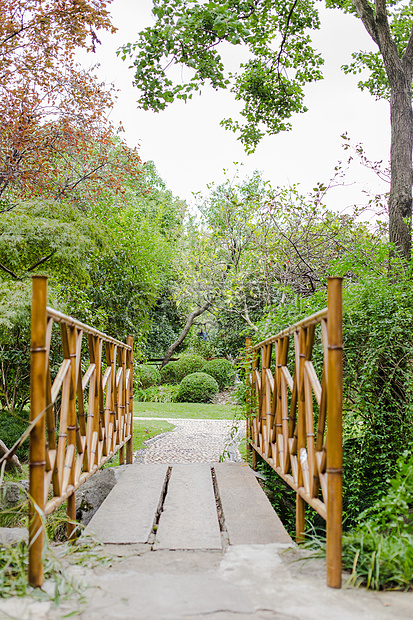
222	370
148	376
197	388
168	374
188	364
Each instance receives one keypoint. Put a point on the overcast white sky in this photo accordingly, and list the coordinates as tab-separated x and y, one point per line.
190	149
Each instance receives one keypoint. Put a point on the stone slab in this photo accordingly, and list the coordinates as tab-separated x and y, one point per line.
91	495
249	517
12	536
127	515
189	519
246	582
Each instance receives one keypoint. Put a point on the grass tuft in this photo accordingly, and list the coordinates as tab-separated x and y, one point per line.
59	582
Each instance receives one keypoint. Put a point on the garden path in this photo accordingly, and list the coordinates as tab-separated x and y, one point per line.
194	441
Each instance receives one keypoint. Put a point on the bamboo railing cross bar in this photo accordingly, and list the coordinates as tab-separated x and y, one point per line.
94	422
289	410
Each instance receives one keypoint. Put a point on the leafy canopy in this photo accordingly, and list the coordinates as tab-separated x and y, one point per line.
47	103
270	83
280	57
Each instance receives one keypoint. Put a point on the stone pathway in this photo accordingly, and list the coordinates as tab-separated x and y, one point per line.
194	441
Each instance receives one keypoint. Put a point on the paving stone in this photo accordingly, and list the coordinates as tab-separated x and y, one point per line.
249	516
127	514
12	535
248	582
189	519
195	441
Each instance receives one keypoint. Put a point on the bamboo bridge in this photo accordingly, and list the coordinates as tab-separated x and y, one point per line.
194	540
82	415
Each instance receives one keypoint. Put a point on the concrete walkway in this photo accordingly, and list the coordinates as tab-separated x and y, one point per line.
191	506
193	541
216	550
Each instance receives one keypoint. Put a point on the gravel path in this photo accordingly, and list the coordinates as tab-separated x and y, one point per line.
194	441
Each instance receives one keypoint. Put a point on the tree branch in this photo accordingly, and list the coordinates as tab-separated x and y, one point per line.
246	317
243	314
11	273
8	209
41	261
293	244
12	462
366	14
290	14
407	58
87	175
184	332
381	10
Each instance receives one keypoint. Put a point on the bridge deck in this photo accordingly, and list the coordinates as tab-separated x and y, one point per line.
188	506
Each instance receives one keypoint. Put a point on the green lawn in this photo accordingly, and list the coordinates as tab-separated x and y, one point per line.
196	411
142	430
145	429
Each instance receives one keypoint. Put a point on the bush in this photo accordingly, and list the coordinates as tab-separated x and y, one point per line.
188	364
169	374
148	376
197	388
378	388
379	552
11	428
222	370
156	394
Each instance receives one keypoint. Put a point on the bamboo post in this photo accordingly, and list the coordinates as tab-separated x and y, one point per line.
114	399
300	502
71	436
121	410
248	342
334	432
267	402
299	518
254	459
37	436
129	397
255	394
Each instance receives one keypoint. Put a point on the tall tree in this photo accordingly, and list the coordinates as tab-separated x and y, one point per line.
391	75
44	96
256	246
282	60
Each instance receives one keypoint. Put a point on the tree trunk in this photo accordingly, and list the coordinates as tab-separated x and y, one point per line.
399	71
400	203
184	332
13	462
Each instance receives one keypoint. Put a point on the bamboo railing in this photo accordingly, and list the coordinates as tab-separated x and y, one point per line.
69	447
284	407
